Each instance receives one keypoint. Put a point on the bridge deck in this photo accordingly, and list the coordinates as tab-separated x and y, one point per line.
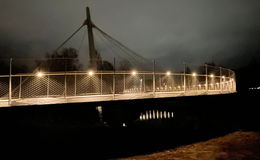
78	87
109	97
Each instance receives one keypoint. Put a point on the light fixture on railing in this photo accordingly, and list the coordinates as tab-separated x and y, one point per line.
212	76
168	73
90	73
194	74
134	73
39	74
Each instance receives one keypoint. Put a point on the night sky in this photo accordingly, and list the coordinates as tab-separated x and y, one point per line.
226	32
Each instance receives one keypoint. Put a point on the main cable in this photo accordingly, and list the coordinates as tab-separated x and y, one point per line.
70	37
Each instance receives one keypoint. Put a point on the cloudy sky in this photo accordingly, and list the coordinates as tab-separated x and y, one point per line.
172	31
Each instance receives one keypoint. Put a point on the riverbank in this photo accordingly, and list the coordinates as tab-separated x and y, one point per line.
235	146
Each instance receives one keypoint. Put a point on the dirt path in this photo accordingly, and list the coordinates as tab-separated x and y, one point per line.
234	146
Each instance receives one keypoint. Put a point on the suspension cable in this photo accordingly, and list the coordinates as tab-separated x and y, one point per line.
119	43
70	37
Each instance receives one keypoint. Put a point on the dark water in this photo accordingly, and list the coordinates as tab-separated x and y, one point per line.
118	132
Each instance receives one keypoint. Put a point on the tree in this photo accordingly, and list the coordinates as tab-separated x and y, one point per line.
65	60
107	66
187	70
124	65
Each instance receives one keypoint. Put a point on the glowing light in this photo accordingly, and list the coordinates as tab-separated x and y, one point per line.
168	73
39	74
223	77
134	73
212	76
90	73
194	74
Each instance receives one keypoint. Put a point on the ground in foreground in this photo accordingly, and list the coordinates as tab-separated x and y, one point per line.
235	146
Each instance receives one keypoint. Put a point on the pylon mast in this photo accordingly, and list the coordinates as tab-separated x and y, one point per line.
93	57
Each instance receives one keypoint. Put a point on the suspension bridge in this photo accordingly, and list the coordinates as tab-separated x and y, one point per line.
128	76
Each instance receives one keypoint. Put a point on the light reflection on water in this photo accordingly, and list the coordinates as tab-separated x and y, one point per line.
155	114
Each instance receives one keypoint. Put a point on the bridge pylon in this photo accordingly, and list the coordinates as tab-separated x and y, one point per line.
95	60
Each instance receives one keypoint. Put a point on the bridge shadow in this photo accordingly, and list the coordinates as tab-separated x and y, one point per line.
115	129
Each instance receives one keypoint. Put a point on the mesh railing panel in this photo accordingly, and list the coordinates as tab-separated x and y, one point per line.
55	85
34	87
134	83
4	87
107	84
72	84
88	85
148	82
16	87
120	86
71	81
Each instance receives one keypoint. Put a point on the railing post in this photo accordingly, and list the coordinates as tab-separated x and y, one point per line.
114	79
10	82
48	86
160	82
20	87
65	85
220	79
154	77
206	68
144	82
101	83
229	81
234	81
75	84
124	82
65	79
184	78
141	85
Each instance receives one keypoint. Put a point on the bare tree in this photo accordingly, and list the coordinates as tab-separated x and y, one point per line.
65	60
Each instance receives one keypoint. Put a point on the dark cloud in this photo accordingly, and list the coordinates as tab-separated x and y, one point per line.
170	30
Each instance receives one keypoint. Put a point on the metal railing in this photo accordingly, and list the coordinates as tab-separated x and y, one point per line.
19	87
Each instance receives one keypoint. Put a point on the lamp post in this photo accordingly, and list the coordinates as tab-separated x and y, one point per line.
153	77
212	81
206	69
114	79
101	83
124	82
194	75
220	78
184	78
75	84
48	86
20	87
10	82
168	84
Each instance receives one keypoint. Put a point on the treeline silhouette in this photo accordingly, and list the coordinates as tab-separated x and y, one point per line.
67	59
